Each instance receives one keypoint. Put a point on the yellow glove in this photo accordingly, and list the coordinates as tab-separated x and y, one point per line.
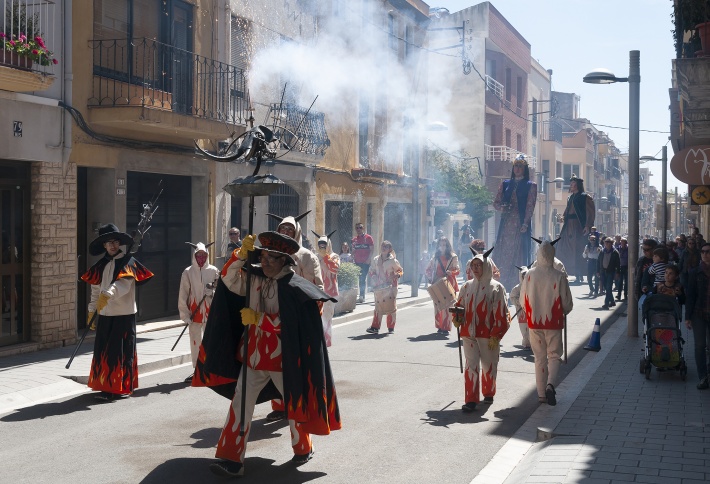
102	302
247	246
92	324
249	316
492	342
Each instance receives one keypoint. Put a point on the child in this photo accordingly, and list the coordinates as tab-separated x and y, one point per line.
671	286
484	323
515	299
656	274
385	271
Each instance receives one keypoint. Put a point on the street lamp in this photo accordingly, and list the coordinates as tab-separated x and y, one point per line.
545	182
664	189
604	76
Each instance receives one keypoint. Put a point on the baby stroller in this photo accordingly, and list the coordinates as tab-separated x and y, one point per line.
663	344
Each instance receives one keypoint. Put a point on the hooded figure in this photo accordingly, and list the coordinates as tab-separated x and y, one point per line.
307	264
329	266
113	279
286	352
195	298
515	299
486	320
308	267
384	273
557	263
546	300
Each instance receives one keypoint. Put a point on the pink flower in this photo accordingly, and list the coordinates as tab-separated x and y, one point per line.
39	41
23	37
35	51
12	43
55	61
2	35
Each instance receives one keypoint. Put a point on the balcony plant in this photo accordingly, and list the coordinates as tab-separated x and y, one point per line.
21	39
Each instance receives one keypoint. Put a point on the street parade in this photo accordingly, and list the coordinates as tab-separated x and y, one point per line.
379	241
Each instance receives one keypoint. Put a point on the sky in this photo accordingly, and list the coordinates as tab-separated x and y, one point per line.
574	37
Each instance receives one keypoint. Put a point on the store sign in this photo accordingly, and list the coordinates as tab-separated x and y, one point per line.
692	165
439	199
699	194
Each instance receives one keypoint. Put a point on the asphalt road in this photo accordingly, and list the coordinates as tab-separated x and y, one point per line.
400	397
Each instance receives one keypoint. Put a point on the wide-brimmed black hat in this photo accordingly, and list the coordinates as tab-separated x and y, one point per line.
274	242
108	232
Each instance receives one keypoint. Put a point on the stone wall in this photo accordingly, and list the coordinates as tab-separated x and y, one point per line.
53	263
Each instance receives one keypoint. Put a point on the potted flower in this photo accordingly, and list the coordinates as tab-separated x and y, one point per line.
348	278
21	39
21	51
691	16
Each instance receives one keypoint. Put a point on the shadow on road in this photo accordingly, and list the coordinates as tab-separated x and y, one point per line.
370	336
428	337
162	388
256	469
452	414
80	403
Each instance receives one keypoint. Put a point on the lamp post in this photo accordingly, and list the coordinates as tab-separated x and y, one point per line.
664	187
604	76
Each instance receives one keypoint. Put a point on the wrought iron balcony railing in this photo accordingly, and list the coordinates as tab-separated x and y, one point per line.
298	131
145	72
505	153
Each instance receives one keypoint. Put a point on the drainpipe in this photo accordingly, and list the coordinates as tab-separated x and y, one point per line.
68	77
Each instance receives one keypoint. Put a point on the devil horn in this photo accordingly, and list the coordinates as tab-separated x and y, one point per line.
473	251
539	241
330	234
211	243
519	268
276	217
555	241
301	216
488	252
194	246
314	233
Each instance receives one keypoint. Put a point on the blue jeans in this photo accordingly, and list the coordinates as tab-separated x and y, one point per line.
701	333
608	281
364	269
623	282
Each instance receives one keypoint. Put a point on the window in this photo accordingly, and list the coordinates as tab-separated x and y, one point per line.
508	82
407	41
519	92
518	142
546	171
392	33
508	139
491	68
363	135
568	171
534	118
558	169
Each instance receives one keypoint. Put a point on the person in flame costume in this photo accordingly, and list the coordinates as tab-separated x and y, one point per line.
515	299
444	264
195	297
329	265
485	321
286	350
546	300
113	279
385	271
308	267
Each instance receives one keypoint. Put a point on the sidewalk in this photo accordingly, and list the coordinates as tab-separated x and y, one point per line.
612	425
31	378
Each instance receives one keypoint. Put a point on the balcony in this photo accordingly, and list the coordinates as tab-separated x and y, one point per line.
155	88
302	132
23	21
693	94
505	153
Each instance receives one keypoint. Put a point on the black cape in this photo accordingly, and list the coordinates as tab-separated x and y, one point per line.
310	396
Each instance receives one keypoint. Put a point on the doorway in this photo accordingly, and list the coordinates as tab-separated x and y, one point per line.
14	255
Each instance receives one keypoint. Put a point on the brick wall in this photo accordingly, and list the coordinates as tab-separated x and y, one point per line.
53	263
